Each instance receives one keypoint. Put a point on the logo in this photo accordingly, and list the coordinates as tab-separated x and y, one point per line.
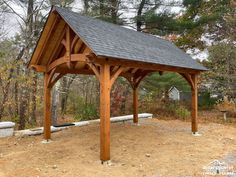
218	167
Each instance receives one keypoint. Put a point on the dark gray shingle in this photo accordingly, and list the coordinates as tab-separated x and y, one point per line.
109	40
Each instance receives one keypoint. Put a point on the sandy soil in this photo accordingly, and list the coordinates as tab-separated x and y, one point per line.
155	148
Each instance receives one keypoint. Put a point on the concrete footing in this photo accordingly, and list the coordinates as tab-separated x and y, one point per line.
196	134
46	141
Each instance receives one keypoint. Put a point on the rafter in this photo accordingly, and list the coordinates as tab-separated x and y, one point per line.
56	47
52	21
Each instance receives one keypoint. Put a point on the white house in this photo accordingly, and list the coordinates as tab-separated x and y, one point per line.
174	93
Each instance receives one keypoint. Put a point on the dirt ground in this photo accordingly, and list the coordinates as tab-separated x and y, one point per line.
155	148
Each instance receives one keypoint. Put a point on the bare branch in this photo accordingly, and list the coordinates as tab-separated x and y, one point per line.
13	11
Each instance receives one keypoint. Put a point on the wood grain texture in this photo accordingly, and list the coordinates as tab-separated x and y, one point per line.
194	104
135	105
105	112
47	109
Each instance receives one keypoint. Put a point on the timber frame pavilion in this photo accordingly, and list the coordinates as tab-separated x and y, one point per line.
75	44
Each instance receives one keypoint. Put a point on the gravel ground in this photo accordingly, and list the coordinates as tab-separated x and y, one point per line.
154	148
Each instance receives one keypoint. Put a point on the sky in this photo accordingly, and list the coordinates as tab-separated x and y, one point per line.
12	21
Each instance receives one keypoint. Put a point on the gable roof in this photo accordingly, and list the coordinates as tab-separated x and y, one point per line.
109	40
173	88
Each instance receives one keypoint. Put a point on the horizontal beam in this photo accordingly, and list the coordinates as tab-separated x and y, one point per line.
142	65
74	71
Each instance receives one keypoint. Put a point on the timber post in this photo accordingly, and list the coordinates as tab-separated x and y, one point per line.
135	104
47	108
105	88
194	90
134	82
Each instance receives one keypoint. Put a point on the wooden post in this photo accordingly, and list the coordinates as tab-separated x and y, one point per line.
135	104
105	112
47	108
194	104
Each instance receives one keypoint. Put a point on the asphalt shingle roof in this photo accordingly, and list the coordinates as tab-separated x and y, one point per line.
109	40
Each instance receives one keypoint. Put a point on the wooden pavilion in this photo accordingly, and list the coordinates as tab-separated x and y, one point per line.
75	44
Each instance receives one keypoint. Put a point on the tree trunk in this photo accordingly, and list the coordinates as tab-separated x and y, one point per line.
24	98
139	22
101	7
33	99
86	6
16	92
65	85
4	99
23	107
114	10
55	99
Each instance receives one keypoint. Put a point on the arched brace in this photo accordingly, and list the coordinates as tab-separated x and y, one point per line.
116	74
50	77
74	41
136	79
95	70
63	60
189	79
53	81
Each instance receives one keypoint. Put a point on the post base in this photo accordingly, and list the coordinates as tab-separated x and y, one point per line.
136	124
106	162
46	141
196	134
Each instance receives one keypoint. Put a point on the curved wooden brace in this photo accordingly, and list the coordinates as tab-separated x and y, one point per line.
63	42
139	79
95	70
52	83
50	77
188	78
63	60
74	41
134	70
129	79
116	74
136	80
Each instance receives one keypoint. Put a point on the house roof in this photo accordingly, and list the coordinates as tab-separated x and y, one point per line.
110	40
173	88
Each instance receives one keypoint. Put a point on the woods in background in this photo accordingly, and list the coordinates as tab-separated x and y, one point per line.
199	26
